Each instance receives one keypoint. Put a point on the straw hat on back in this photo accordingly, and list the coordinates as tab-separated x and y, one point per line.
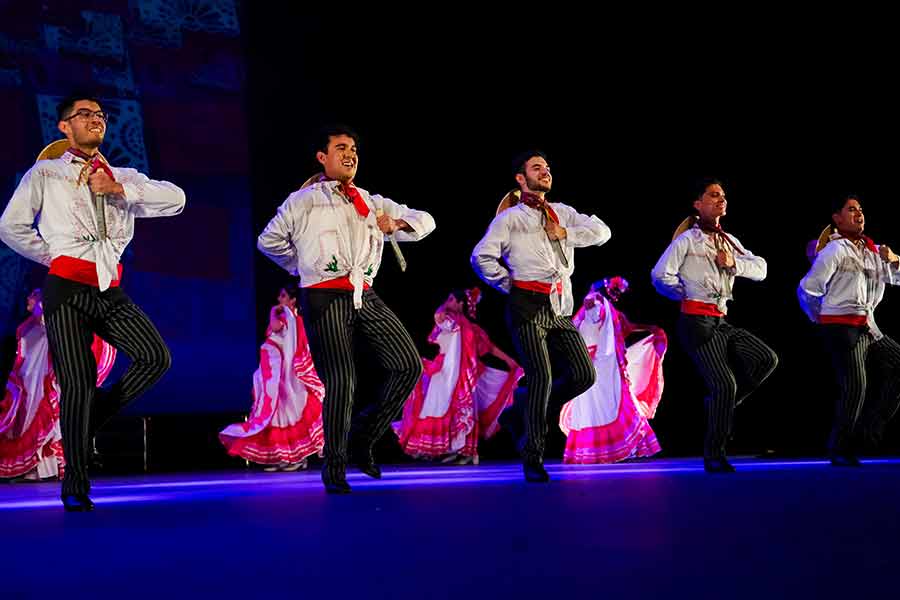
509	200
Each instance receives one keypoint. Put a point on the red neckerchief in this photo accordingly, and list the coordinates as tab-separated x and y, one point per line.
353	194
870	245
81	154
95	161
717	231
535	201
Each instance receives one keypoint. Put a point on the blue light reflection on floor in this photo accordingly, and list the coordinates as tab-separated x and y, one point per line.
196	487
654	529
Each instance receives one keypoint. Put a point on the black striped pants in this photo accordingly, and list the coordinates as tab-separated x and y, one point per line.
70	330
332	323
732	362
860	407
544	340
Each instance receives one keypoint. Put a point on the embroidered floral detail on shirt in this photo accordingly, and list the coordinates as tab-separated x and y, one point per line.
332	266
51	174
369	271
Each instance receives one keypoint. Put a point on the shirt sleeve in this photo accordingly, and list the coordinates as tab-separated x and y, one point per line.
276	240
420	221
147	197
17	224
583	230
814	285
486	257
666	273
748	265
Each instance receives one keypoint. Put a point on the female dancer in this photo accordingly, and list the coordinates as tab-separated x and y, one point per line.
285	423
608	423
458	398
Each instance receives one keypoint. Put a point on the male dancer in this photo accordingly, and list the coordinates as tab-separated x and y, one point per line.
844	285
698	269
331	234
536	241
84	212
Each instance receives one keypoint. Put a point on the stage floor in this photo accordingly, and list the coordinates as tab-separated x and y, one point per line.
775	529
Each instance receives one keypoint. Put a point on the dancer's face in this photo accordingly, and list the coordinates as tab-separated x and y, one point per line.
537	177
83	126
851	219
593	298
712	204
341	160
285	300
452	304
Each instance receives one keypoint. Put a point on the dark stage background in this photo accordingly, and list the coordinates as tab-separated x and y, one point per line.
630	113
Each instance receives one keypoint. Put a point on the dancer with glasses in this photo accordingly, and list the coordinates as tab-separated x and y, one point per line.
74	213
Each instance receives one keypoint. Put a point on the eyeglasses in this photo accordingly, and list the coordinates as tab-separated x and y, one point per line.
86	114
